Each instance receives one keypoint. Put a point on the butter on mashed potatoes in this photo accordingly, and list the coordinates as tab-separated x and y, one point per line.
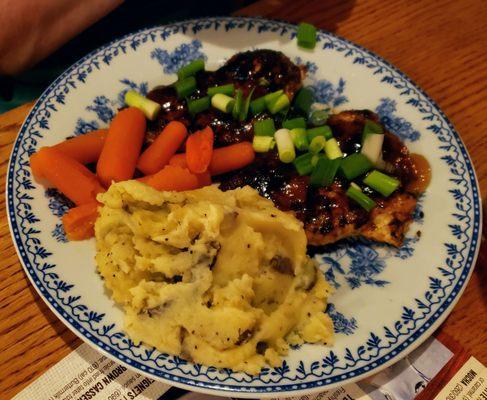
220	278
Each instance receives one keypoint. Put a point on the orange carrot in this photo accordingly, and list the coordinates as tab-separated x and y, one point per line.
36	166
173	178
157	155
199	149
224	159
122	146
69	176
179	160
79	222
231	157
204	179
84	148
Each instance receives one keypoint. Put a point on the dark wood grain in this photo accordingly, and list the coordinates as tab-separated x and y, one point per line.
439	44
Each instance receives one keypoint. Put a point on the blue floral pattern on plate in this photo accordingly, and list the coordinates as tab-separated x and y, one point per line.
418	315
172	61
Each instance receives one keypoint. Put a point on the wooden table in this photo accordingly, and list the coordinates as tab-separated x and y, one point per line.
439	44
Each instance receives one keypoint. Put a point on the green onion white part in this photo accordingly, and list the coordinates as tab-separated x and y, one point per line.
285	146
317	144
148	107
332	149
372	147
222	102
262	144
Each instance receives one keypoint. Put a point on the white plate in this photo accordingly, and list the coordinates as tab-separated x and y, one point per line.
388	300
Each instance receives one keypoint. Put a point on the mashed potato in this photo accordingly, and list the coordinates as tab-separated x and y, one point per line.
219	278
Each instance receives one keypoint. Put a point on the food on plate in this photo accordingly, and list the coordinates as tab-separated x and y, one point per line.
122	146
79	222
219	278
69	176
158	154
218	274
86	148
327	212
251	122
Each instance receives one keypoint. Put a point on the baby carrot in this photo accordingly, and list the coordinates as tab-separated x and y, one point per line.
122	146
173	178
199	148
67	175
231	157
157	155
84	148
36	166
179	160
223	159
204	179
79	222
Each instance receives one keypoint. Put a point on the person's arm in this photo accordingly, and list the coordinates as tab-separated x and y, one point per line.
30	30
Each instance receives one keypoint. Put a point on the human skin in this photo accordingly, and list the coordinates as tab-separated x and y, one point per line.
33	29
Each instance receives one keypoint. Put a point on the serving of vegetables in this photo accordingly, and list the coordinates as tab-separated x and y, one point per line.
119	155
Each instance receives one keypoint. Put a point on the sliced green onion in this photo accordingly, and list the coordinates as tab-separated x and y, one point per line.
190	69
246	105
324	131
303	164
272	97
238	105
300	140
303	100
356	194
264	127
332	149
372	147
317	144
185	86
299	122
262	144
148	107
315	159
222	102
306	35
382	183
285	146
355	165
324	172
223	89
318	117
353	184
282	103
199	105
371	127
258	105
